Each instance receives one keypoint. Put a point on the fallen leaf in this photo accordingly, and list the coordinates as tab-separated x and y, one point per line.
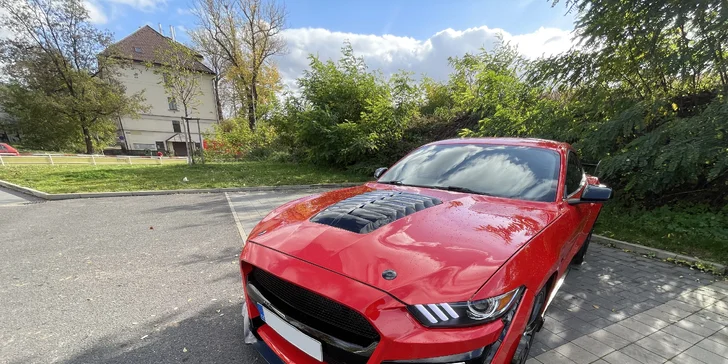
184	350
151	228
595	306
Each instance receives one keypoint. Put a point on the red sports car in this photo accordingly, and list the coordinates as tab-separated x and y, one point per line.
451	256
6	149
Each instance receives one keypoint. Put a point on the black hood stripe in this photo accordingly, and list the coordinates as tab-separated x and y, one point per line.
371	210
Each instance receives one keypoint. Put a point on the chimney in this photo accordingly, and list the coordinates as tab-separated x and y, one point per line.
171	32
160	29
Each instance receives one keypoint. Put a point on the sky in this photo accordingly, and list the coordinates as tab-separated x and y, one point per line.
414	35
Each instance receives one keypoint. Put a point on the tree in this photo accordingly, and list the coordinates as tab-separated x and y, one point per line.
212	53
646	92
178	67
248	33
59	92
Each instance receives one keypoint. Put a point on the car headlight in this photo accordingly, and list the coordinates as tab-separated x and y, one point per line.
469	313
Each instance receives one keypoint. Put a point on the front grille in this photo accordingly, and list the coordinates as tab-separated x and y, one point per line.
314	310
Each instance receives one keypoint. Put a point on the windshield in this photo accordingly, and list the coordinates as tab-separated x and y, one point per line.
522	173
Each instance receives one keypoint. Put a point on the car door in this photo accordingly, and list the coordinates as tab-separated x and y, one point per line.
576	216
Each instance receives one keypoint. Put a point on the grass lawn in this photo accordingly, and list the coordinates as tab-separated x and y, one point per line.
693	231
87	178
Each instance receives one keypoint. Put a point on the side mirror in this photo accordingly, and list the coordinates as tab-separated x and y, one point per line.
379	172
593	194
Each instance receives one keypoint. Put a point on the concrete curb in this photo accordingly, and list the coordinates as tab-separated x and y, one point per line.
70	196
657	253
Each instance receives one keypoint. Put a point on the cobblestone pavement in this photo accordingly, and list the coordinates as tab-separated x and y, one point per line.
616	308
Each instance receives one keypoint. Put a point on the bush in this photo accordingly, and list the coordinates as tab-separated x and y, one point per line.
346	115
232	139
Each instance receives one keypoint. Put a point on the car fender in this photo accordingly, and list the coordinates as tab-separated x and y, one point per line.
532	266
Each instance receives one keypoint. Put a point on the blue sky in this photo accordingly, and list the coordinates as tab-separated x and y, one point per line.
391	35
409	18
422	19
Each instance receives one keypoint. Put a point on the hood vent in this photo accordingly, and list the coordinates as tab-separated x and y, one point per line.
367	212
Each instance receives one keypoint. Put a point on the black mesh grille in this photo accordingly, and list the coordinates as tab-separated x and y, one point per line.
314	310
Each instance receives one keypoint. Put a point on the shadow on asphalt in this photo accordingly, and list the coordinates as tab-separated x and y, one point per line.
211	206
229	254
215	335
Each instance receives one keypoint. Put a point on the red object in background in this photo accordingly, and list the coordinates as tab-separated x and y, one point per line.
160	154
8	150
204	144
373	287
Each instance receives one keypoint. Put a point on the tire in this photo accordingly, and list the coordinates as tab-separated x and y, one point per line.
581	254
535	321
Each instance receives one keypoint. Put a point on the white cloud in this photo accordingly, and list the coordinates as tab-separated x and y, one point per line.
184	11
95	13
390	53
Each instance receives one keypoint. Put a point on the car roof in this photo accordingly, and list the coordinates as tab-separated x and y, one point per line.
521	142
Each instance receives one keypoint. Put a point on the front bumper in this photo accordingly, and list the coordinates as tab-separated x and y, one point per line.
402	339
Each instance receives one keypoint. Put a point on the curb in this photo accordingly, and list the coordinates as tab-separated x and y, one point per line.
657	253
71	196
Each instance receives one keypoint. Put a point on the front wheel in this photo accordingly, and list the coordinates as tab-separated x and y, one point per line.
535	321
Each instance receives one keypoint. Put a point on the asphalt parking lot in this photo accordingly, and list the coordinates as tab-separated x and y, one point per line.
121	280
155	280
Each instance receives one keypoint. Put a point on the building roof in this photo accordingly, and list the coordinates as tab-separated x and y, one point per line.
142	45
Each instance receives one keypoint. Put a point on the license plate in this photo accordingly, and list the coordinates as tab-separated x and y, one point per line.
305	343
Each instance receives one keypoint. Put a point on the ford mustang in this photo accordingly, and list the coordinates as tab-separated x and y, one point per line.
452	256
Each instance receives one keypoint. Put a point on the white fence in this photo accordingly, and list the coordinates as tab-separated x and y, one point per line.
85	159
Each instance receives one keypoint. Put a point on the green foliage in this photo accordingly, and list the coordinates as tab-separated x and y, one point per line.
232	139
488	85
646	94
346	114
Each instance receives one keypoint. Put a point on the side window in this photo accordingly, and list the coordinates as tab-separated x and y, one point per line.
574	174
172	103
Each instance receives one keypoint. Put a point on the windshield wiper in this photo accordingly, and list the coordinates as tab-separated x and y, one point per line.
460	189
446	188
396	183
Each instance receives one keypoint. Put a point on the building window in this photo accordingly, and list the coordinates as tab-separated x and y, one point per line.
137	49
176	126
144	146
172	103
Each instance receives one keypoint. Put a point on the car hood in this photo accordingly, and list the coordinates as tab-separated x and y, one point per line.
443	253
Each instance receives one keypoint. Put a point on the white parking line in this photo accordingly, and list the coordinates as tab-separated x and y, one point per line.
241	230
